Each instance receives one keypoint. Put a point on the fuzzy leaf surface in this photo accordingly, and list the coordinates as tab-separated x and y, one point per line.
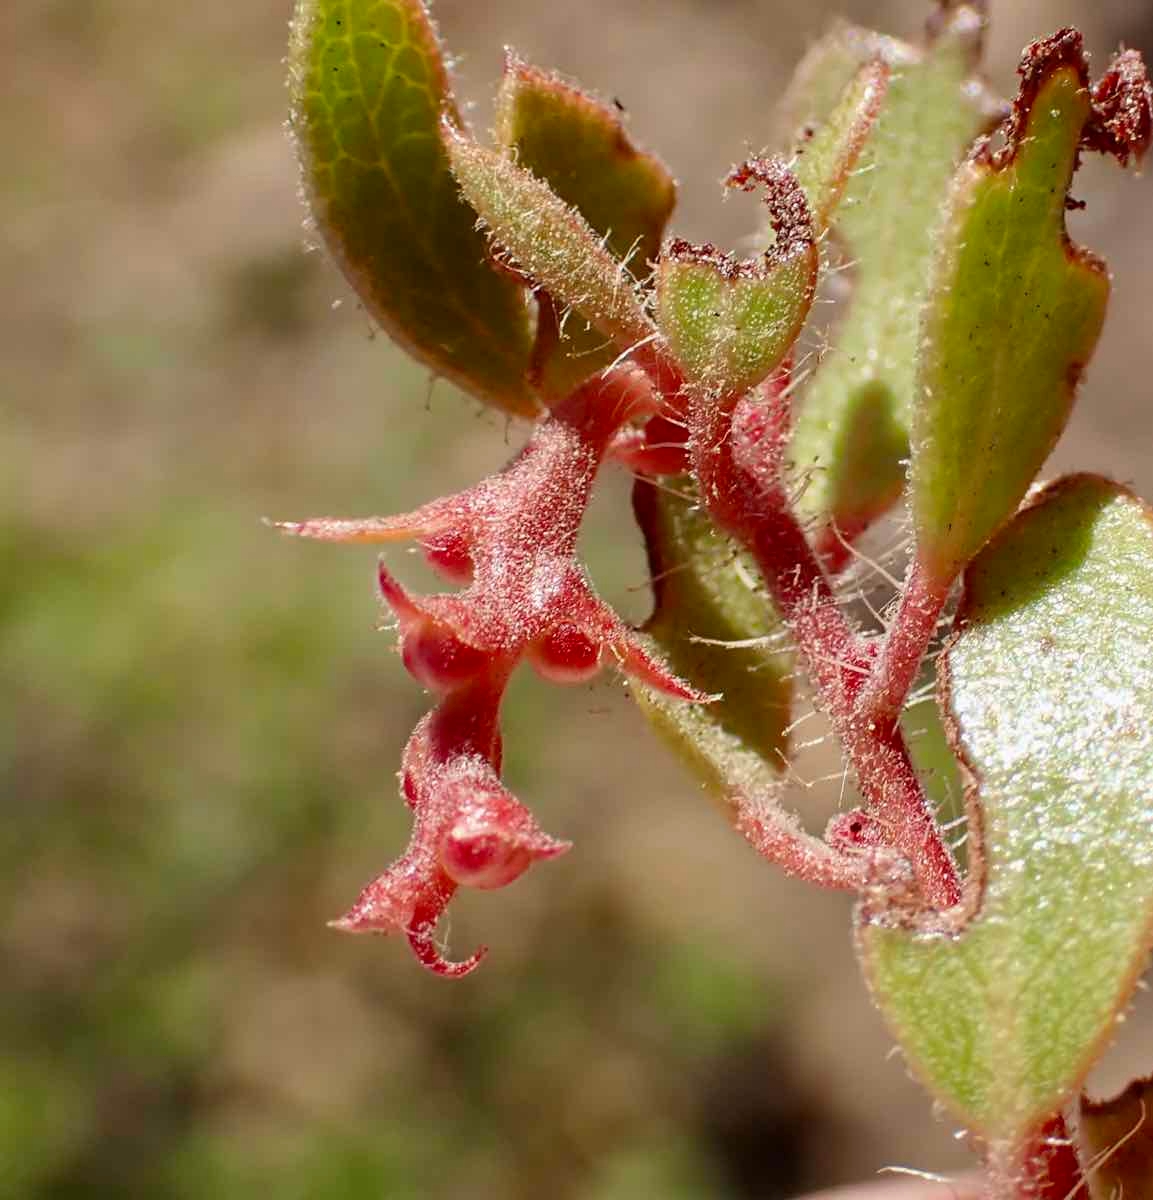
726	331
828	155
581	149
549	240
1015	313
729	324
706	588
1048	685
369	87
853	419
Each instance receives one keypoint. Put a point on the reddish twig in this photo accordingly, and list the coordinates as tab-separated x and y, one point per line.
922	600
749	502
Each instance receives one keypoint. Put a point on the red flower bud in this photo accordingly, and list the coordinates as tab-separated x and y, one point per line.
436	657
566	654
493	840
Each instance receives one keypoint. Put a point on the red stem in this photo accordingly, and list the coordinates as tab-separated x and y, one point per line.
752	505
922	600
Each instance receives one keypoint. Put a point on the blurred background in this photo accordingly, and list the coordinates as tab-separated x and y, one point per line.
200	726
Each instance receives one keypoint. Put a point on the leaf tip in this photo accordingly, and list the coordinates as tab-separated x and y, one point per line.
1122	123
789	214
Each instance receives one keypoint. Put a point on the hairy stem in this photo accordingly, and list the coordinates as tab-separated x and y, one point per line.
922	599
750	503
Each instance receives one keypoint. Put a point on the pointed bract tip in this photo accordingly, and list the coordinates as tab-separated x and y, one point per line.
375	911
635	660
335	529
348	924
397	597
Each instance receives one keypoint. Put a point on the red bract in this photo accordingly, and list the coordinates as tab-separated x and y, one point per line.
468	830
512	540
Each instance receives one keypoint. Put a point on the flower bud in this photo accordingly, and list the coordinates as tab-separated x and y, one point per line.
493	841
566	654
436	657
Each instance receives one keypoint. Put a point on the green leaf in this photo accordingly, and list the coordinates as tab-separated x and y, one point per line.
580	148
852	423
549	241
827	156
707	588
1048	683
729	324
1014	314
369	87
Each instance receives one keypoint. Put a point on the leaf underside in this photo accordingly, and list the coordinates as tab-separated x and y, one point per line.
1048	685
827	155
369	86
580	148
706	588
853	418
549	240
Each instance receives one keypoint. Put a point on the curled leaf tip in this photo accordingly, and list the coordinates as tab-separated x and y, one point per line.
1122	123
729	324
785	199
1120	120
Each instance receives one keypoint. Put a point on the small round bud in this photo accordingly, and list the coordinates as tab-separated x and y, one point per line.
493	838
436	657
854	830
483	856
566	654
